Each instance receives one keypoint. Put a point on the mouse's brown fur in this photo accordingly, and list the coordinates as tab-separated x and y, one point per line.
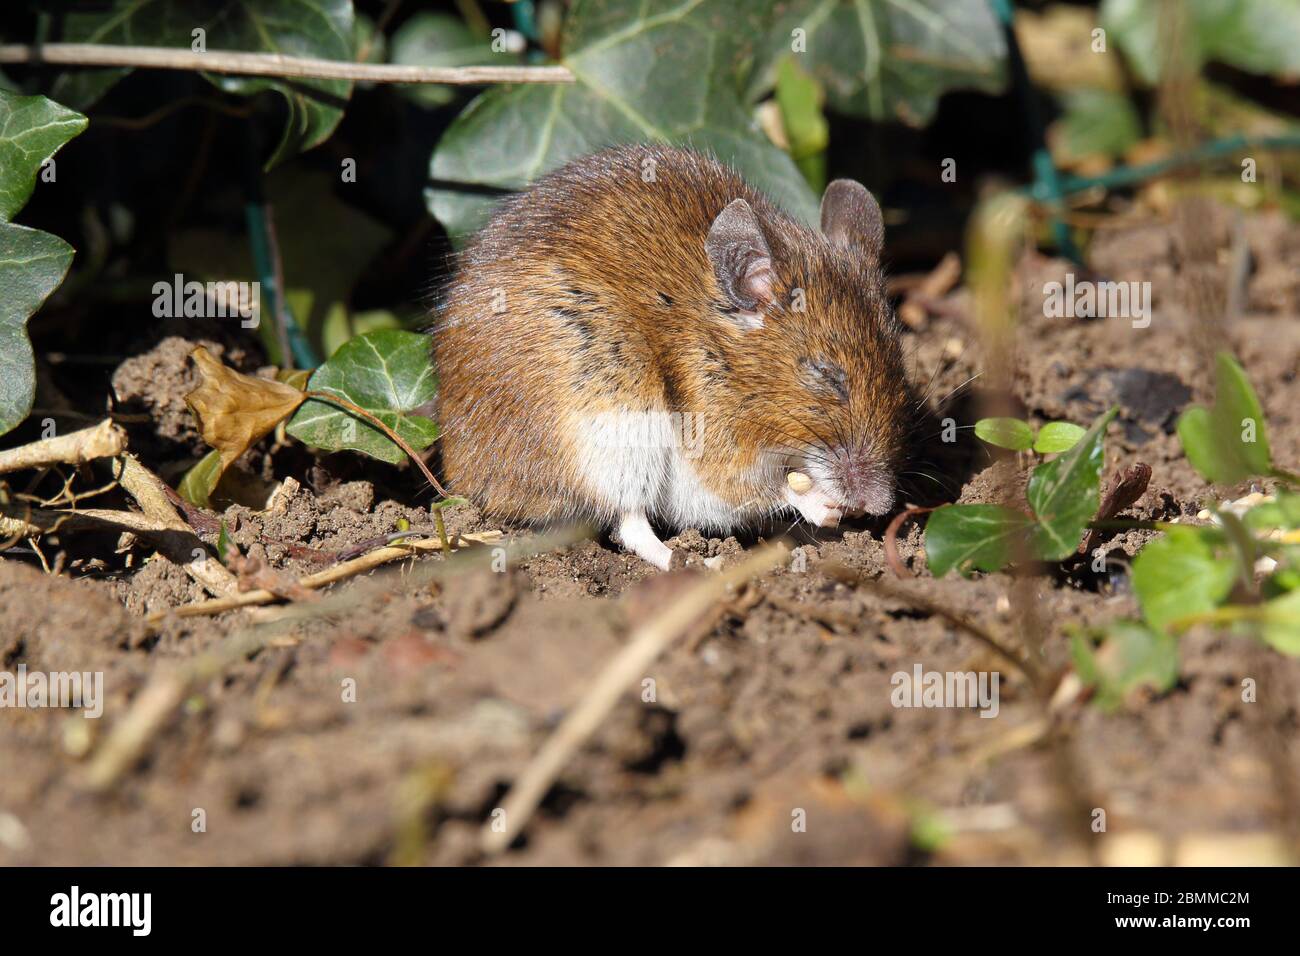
593	292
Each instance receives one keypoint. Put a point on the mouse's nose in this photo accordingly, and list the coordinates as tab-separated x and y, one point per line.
867	488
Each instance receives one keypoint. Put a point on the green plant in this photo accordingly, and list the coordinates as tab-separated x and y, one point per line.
1017	435
1063	496
692	74
32	263
365	398
1242	571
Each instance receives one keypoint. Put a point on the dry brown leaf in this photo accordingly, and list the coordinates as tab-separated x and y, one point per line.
234	410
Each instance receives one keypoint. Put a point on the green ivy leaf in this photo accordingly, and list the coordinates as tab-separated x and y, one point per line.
1259	36
1005	433
32	263
441	39
1227	442
971	537
1065	493
888	60
310	28
201	480
645	73
32	129
1131	655
1056	437
1178	574
390	374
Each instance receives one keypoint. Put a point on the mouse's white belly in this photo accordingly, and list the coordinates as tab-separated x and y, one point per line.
644	463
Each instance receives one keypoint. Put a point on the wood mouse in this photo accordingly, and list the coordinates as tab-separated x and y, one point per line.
641	337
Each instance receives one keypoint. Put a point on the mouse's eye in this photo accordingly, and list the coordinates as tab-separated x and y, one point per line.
823	375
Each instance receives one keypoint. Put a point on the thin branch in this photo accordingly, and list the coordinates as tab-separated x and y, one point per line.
105	440
311	582
274	64
180	544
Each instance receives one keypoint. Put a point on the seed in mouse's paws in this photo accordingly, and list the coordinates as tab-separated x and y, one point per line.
799	482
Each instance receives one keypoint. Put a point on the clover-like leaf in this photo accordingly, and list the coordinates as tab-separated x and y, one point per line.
1179	574
1005	433
888	60
1227	442
1056	437
1065	493
311	28
645	73
388	373
972	538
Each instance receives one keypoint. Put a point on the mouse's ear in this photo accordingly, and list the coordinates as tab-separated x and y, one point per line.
851	218
741	262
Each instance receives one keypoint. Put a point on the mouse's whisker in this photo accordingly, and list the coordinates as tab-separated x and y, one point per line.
956	391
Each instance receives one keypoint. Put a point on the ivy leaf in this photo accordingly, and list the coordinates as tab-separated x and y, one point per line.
888	60
1065	493
389	373
1056	437
201	480
645	73
1131	655
32	263
1227	442
971	537
441	39
1259	36
1005	433
32	129
309	28
1178	574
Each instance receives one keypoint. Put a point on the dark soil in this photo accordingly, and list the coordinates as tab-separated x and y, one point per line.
783	706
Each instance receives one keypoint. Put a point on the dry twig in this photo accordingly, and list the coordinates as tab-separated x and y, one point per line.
274	64
105	440
311	582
